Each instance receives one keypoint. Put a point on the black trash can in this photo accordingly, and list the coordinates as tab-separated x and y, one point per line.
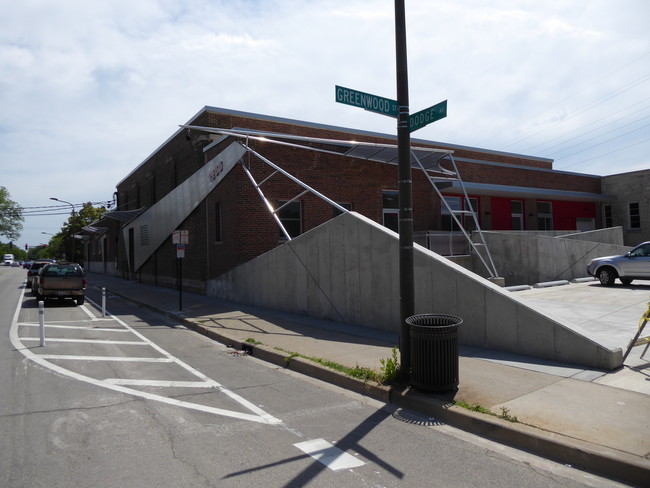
434	351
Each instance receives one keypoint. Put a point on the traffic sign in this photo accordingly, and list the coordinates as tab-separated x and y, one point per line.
180	251
428	115
373	103
180	237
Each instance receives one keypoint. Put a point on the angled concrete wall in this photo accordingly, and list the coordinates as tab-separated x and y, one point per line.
526	258
347	270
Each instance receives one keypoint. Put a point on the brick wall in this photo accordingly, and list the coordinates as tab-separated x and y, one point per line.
248	227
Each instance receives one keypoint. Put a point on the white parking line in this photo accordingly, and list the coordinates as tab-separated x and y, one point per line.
88	312
168	384
74	327
87	341
126	359
257	415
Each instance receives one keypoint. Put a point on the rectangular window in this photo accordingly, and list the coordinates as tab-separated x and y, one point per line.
544	216
517	214
448	222
290	214
634	216
608	220
217	222
469	222
391	209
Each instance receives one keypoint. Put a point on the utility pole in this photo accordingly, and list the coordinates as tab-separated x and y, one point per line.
405	186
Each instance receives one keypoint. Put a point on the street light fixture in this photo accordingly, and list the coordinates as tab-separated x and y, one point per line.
71	224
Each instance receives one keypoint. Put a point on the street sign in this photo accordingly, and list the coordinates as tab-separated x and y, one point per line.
180	237
373	103
428	115
180	251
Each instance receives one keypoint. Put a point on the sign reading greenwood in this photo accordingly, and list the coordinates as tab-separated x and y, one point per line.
386	106
373	103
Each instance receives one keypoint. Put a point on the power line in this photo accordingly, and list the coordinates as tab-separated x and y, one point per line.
588	107
607	154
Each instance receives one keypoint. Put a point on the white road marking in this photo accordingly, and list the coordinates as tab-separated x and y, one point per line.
331	456
74	327
71	357
169	384
258	415
87	341
88	312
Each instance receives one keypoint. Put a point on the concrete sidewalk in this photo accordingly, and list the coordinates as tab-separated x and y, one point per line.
564	413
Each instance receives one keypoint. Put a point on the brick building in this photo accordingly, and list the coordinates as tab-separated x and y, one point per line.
202	182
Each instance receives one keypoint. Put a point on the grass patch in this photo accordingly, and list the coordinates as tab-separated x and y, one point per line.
476	407
250	340
358	372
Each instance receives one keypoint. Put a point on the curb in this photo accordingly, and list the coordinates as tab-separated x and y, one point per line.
596	459
599	460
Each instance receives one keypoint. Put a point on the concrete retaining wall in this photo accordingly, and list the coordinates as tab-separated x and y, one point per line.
525	258
347	270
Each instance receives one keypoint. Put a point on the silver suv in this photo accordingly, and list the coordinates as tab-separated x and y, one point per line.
633	265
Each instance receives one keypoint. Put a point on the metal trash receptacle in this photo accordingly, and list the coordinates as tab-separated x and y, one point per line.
434	351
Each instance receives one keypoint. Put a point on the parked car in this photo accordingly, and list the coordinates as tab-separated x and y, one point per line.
32	271
61	280
633	265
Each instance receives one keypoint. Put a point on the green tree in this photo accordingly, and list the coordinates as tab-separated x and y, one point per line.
11	216
63	242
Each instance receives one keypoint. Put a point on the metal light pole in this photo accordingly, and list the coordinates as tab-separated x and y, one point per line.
405	186
71	225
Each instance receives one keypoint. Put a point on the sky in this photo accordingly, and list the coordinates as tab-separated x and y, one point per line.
89	89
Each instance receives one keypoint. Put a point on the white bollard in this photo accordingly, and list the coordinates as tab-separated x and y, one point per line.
41	321
103	301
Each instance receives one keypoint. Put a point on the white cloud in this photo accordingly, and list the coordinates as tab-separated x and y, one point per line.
89	89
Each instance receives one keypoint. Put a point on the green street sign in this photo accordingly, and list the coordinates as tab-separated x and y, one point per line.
373	103
428	115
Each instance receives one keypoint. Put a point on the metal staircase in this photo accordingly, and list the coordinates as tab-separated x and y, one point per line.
446	179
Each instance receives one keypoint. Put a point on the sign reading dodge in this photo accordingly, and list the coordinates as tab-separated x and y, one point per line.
428	115
373	103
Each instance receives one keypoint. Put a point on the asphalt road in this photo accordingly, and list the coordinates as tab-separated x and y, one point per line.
133	400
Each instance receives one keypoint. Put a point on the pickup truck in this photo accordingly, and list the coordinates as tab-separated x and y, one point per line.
61	280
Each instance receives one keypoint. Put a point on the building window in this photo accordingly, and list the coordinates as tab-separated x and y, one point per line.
608	220
469	222
634	216
517	214
391	209
447	220
217	222
544	216
336	212
463	209
290	214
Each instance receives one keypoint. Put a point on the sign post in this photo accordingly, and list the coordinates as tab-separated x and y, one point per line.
405	187
180	238
406	124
